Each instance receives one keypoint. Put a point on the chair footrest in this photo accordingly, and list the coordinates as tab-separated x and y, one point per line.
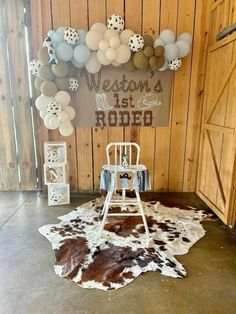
124	214
123	203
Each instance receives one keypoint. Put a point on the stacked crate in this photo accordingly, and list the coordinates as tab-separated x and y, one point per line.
56	173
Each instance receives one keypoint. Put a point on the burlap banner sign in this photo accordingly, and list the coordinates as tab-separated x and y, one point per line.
114	97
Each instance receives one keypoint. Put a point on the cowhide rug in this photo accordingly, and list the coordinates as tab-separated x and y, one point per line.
122	254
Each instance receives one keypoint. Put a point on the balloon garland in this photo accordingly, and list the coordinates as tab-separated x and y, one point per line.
68	49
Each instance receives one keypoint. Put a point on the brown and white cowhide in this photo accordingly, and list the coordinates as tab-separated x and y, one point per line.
121	255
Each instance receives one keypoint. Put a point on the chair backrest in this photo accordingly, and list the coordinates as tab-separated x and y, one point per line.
132	150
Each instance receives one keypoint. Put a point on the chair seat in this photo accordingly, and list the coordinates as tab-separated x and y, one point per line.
119	168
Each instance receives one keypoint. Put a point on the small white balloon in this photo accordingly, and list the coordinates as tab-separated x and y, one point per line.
111	54
54	123
63	116
93	65
66	129
185	36
100	27
46	121
70	111
164	67
43	113
114	42
101	56
103	45
168	36
125	36
109	34
184	48
42	101
62	97
171	51
158	42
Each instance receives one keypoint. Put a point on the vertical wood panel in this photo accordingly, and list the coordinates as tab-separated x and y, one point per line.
180	104
168	19
196	95
150	25
61	17
79	19
40	24
20	93
97	13
8	157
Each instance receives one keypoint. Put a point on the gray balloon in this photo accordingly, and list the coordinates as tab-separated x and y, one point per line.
62	83
61	69
37	83
43	55
71	70
45	73
48	88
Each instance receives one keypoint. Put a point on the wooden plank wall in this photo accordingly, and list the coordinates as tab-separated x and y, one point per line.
171	153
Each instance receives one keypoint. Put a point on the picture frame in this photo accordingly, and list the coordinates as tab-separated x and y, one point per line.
58	194
55	153
55	174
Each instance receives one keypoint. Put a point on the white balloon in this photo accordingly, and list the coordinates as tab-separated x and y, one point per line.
70	111
171	51
158	42
101	56
103	45
168	36
125	36
62	97
185	36
111	54
93	65
123	54
42	101
109	34
114	42
54	123
43	113
164	67
66	128
184	48
116	64
93	38
100	27
46	121
63	115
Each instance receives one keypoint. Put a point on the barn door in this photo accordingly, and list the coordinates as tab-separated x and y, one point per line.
217	155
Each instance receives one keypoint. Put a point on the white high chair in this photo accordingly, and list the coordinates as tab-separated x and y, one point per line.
121	148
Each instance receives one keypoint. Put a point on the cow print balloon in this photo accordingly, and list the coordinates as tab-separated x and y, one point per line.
136	42
73	84
54	108
34	67
116	22
71	36
174	64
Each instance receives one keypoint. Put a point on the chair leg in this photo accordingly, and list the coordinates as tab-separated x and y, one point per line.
123	207
105	202
143	214
109	196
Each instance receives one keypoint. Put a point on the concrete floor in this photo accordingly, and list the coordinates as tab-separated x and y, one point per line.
28	283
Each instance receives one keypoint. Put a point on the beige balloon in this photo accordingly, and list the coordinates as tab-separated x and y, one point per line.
125	36
123	54
101	56
93	38
100	27
109	34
